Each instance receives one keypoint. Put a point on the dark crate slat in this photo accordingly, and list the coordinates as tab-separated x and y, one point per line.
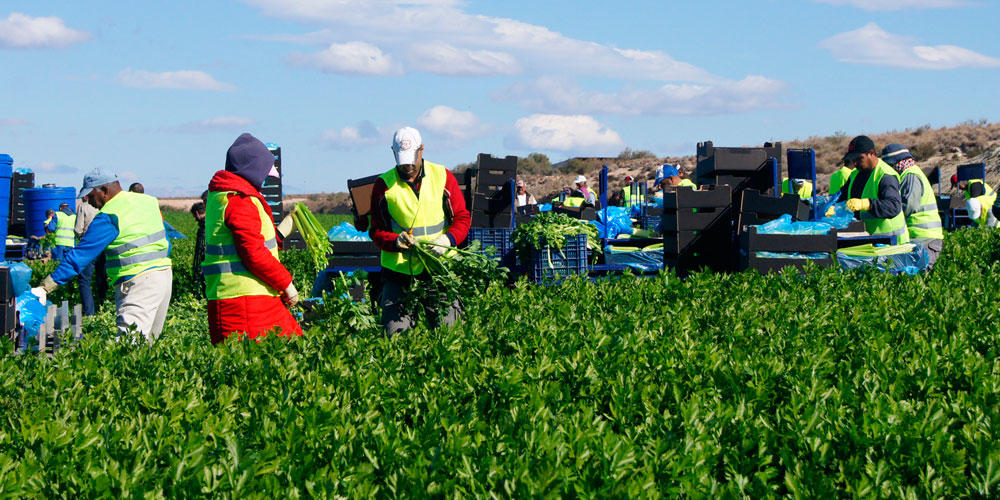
686	197
776	265
354	261
751	200
691	220
353	247
751	241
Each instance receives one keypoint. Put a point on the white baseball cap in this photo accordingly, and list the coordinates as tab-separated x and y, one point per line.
405	143
580	179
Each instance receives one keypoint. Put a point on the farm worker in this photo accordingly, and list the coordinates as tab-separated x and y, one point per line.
631	194
985	197
839	178
198	212
974	188
415	201
919	203
980	213
245	282
523	196
872	191
128	230
670	175
136	188
65	232
85	214
802	187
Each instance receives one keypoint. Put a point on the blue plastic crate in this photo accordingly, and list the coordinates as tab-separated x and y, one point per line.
550	264
649	222
497	237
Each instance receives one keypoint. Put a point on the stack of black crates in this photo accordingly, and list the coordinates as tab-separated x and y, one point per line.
739	168
756	208
490	203
273	195
697	228
18	183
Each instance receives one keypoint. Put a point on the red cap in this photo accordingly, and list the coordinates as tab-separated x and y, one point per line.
954	180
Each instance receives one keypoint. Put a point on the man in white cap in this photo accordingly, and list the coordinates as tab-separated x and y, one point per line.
414	201
588	195
128	230
523	196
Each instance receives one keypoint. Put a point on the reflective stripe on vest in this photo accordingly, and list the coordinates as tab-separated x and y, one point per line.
926	221
141	243
65	229
627	196
896	225
424	214
226	277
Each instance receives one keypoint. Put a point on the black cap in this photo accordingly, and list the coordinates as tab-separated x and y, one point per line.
858	146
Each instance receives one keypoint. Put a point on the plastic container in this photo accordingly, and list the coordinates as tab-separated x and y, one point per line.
497	237
6	170
549	264
38	200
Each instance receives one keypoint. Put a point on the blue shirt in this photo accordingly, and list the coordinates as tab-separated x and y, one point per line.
101	233
51	226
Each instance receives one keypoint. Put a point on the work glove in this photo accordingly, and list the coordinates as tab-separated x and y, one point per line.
405	241
859	204
291	295
288	223
444	243
830	212
40	293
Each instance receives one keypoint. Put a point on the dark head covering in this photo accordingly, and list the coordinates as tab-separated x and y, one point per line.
250	159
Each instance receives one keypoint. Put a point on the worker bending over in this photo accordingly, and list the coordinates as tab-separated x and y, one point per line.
245	282
923	222
415	201
128	230
872	191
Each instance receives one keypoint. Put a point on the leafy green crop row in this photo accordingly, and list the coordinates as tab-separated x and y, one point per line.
829	384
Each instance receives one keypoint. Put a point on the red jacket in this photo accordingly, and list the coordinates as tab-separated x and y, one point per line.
243	219
381	222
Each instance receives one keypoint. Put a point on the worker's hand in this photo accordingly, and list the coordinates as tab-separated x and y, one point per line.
40	293
291	295
288	223
830	212
859	204
405	241
440	244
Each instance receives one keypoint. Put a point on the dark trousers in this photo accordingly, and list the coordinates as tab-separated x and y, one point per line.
86	296
101	287
398	318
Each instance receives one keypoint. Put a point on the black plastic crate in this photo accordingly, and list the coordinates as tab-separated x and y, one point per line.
701	219
550	264
712	196
752	242
711	242
496	237
765	265
713	160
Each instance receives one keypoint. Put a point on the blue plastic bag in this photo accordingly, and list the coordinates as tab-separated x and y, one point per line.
905	263
346	232
20	275
618	222
545	207
784	225
32	313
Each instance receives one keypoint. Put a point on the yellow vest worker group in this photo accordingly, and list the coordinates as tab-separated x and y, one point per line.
629	198
65	229
925	222
225	275
423	215
142	242
894	226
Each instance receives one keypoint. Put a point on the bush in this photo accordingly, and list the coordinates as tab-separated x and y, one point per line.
632	154
534	163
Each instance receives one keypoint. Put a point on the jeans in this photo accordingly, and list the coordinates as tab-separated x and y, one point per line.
86	296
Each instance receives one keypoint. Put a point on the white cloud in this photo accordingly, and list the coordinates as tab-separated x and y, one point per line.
470	44
178	80
352	137
556	95
445	59
48	167
354	58
886	5
581	134
872	45
221	123
19	31
452	123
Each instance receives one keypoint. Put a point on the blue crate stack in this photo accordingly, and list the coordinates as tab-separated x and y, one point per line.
550	264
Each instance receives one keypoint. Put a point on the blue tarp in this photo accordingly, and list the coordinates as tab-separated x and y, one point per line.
347	232
173	233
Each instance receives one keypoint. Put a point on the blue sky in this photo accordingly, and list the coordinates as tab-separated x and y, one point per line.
157	91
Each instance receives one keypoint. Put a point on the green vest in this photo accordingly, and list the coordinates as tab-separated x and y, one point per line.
926	221
225	275
986	200
142	241
894	226
687	183
629	199
65	230
423	215
839	178
574	201
806	191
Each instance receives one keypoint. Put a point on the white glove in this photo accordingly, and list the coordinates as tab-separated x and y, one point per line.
291	295
288	223
40	293
442	240
405	241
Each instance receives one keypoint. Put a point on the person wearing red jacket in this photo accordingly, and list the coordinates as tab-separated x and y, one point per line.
245	282
415	200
